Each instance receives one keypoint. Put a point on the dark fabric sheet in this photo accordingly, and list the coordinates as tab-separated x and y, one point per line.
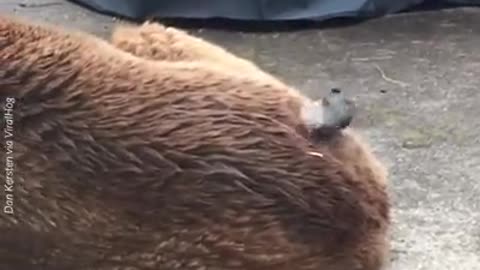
254	10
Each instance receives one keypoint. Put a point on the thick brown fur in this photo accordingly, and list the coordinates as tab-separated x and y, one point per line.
123	163
153	41
156	42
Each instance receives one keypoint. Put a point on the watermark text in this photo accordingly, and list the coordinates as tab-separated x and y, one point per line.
8	131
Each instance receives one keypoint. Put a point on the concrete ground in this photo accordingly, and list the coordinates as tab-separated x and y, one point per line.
415	79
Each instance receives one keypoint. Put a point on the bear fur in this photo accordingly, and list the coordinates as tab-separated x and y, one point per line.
124	163
154	41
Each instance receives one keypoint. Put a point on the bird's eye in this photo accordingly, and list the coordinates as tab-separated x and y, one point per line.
336	91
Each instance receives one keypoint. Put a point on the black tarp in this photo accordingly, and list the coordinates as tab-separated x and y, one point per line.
258	10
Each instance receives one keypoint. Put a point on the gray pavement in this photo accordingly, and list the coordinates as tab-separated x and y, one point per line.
415	79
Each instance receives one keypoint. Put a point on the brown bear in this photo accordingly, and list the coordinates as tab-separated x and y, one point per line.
115	162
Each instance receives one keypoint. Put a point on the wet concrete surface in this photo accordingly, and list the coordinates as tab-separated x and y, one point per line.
415	78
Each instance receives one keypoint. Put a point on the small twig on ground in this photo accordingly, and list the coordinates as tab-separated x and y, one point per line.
390	80
370	59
